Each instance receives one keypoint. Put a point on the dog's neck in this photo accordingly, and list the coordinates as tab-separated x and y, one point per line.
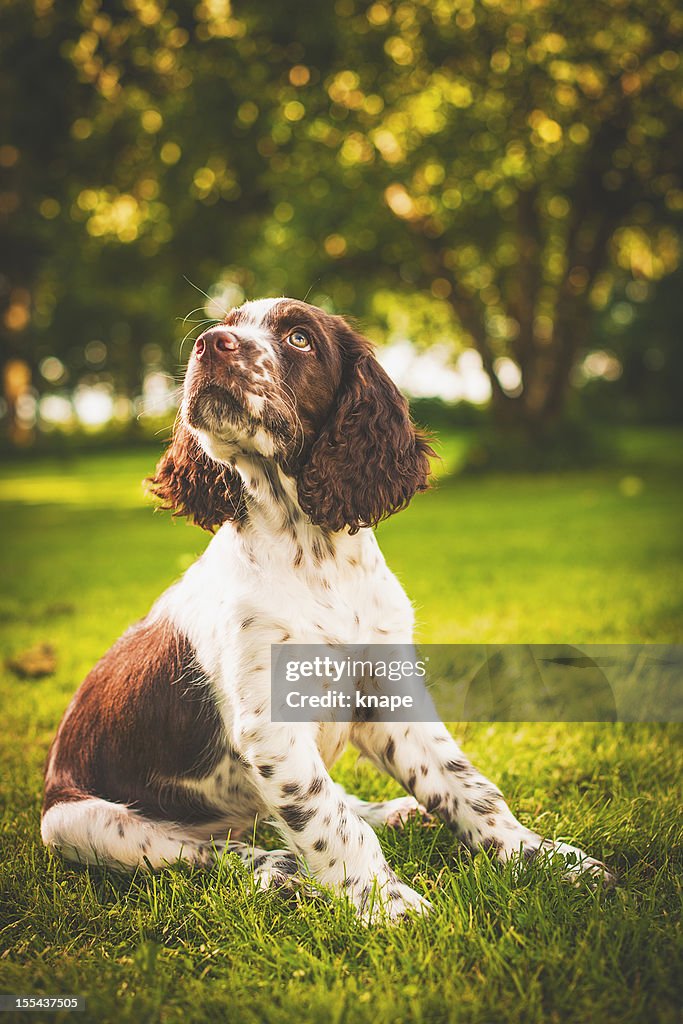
273	515
270	495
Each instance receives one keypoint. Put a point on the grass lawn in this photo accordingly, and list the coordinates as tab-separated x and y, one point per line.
580	557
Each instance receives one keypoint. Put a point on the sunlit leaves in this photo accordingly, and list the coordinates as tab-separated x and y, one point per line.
399	201
170	153
122	216
217	22
546	131
356	149
497	157
646	254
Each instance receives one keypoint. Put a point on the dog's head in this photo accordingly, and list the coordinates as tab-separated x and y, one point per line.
285	381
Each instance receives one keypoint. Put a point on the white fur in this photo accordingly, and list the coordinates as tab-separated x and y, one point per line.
258	309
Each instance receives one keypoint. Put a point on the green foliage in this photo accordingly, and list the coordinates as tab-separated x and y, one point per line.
482	559
563	444
494	169
650	351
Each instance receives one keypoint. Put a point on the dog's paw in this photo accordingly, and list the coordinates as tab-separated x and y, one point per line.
277	869
578	866
402	810
389	901
401	901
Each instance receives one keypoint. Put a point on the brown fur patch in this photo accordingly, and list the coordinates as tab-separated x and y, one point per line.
189	483
145	714
369	459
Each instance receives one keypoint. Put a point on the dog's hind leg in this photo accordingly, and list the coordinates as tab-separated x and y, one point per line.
95	831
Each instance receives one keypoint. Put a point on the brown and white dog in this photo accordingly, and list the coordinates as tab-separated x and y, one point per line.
291	444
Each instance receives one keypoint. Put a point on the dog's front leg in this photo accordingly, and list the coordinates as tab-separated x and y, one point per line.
430	765
340	849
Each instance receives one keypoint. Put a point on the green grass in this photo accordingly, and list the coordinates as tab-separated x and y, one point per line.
568	558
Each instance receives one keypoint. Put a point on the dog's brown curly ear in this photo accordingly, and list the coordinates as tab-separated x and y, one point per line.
369	459
189	483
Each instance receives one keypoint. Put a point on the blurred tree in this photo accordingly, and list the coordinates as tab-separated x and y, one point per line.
508	161
528	154
642	328
111	174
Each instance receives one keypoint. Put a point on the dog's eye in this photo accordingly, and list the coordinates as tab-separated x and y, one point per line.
297	339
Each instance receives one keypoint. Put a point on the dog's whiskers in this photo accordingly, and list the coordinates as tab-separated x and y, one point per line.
201	291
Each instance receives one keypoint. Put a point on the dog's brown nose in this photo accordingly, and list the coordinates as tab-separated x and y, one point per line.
217	339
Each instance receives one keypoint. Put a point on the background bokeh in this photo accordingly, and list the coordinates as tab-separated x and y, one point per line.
493	188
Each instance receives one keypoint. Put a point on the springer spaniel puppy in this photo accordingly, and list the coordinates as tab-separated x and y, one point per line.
290	445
